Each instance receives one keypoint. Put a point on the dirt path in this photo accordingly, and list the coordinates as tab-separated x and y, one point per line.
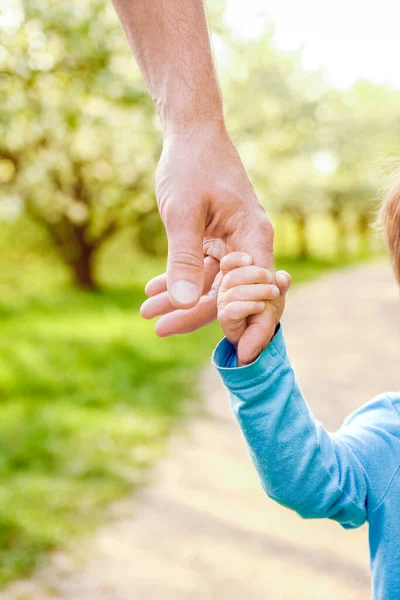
204	530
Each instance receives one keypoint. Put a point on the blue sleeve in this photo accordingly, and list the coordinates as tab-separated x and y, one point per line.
373	435
300	464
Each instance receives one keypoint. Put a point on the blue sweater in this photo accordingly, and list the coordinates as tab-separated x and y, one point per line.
351	476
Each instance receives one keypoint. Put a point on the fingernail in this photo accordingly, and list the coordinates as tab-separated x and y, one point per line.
246	260
184	292
275	291
268	276
282	276
143	309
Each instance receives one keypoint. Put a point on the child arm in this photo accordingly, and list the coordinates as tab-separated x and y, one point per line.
300	464
339	475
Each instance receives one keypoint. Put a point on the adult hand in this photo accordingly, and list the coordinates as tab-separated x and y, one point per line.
202	188
208	207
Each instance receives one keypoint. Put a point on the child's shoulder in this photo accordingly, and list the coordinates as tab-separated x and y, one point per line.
373	435
384	408
395	397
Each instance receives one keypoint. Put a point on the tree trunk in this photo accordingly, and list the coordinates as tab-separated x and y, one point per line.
341	233
83	269
364	234
302	237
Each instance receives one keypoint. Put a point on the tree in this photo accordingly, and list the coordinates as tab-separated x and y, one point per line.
271	106
360	128
78	143
310	149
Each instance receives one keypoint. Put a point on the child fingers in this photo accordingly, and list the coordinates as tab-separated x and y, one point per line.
256	337
234	260
253	292
246	276
283	281
236	311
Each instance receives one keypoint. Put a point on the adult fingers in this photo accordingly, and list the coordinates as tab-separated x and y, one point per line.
157	285
157	305
255	236
187	321
160	303
185	271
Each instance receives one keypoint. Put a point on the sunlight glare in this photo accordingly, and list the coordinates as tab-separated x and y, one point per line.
347	40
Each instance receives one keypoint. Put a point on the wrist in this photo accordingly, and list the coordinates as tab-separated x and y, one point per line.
197	134
192	122
180	112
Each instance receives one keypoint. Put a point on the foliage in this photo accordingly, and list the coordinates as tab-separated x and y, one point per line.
84	417
78	145
311	150
88	395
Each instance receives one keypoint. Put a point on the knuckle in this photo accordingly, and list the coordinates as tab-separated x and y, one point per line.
221	303
221	315
261	225
235	313
230	295
262	275
228	280
216	287
266	229
240	293
186	258
264	291
224	264
228	313
171	214
268	276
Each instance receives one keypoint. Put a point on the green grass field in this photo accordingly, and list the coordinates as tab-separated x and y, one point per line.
88	396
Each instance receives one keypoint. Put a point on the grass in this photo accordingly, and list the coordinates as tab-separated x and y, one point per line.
88	397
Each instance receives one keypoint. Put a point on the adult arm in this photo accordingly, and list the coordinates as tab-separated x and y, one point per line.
205	198
170	41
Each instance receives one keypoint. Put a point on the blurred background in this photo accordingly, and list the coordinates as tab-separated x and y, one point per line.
88	394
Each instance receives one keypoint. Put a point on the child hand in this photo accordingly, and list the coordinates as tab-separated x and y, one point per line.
247	290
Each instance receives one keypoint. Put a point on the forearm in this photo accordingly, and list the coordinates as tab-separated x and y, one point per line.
300	464
170	41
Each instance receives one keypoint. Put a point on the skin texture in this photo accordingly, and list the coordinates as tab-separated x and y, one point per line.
205	199
245	294
248	298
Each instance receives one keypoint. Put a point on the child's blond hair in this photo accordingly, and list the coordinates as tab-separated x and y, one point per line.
390	219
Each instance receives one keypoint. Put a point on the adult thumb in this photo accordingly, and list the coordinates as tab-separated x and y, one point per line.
185	269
